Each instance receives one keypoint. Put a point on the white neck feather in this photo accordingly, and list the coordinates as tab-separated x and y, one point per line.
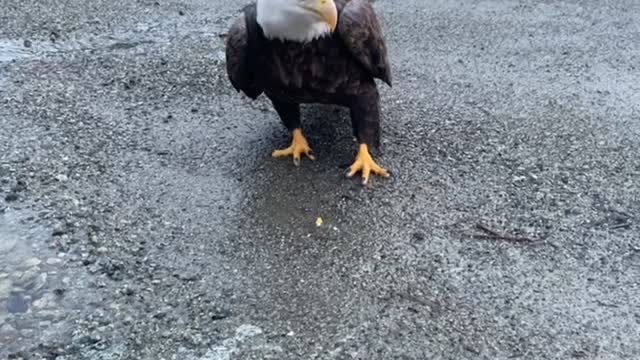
288	20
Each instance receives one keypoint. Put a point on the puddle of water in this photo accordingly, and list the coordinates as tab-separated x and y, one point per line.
19	237
13	50
119	40
30	281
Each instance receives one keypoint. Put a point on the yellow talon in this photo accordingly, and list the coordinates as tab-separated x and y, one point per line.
299	146
364	163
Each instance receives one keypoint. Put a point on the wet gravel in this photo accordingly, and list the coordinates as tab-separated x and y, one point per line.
141	216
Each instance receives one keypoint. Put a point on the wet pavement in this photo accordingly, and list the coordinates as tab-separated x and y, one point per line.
141	216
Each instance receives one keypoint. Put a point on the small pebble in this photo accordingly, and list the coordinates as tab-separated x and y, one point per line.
17	303
59	230
27	333
40	282
418	237
44	324
32	262
220	314
24	278
8	331
47	301
5	288
54	261
19	186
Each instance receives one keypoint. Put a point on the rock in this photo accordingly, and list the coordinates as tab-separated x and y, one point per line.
162	313
27	333
17	303
53	261
129	84
54	35
418	237
5	288
87	339
59	230
128	291
8	332
19	187
11	197
32	262
44	324
247	331
40	282
187	276
45	302
7	242
51	314
25	279
52	350
59	292
220	314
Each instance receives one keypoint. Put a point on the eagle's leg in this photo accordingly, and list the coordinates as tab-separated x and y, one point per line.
365	120
290	115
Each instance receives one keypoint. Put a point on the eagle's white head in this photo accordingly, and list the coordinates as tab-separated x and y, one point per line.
297	20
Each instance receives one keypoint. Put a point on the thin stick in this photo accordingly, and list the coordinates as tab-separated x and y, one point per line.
494	235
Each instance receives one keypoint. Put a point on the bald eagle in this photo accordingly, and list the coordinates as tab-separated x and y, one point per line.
313	51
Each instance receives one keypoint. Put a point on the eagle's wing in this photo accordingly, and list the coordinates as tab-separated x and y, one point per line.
240	54
359	29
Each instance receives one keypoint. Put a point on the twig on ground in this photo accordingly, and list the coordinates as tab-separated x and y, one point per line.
494	235
606	304
620	226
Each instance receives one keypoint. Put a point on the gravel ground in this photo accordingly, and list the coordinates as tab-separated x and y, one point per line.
141	216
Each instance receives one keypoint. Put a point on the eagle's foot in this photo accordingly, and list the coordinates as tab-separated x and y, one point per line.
299	146
364	163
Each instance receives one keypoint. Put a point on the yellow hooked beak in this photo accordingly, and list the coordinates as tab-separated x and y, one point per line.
329	13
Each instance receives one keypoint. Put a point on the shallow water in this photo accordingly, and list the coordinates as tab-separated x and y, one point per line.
13	50
31	281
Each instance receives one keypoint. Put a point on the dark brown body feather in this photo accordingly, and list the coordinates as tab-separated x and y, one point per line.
337	69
